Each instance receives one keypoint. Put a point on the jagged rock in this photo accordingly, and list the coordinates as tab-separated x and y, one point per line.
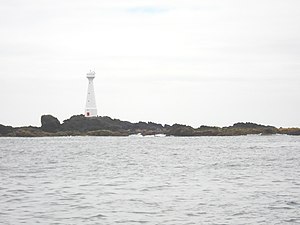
50	123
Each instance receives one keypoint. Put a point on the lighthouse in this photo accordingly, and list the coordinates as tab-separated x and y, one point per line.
90	108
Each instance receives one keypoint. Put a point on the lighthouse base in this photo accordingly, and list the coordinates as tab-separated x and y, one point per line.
92	112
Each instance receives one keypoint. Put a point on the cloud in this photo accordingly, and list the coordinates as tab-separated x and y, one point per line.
147	10
191	46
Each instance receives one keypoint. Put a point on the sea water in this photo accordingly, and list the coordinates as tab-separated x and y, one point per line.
150	180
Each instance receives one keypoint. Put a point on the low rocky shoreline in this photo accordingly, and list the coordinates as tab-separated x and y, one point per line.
80	125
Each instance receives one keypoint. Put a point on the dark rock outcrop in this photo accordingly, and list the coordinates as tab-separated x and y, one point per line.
181	130
50	123
80	125
86	124
5	130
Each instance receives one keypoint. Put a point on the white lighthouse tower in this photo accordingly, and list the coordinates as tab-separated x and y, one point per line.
90	108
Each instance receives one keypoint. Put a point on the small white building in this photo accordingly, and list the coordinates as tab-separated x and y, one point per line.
90	108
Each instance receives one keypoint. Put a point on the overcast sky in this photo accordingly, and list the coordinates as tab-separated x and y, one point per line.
195	62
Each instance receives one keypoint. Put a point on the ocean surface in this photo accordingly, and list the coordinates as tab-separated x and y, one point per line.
150	180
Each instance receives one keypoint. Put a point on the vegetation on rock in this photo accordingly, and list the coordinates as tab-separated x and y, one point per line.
289	131
79	125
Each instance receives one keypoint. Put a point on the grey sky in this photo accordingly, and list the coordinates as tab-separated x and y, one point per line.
194	62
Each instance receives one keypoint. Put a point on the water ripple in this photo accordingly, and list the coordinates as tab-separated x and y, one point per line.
95	180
